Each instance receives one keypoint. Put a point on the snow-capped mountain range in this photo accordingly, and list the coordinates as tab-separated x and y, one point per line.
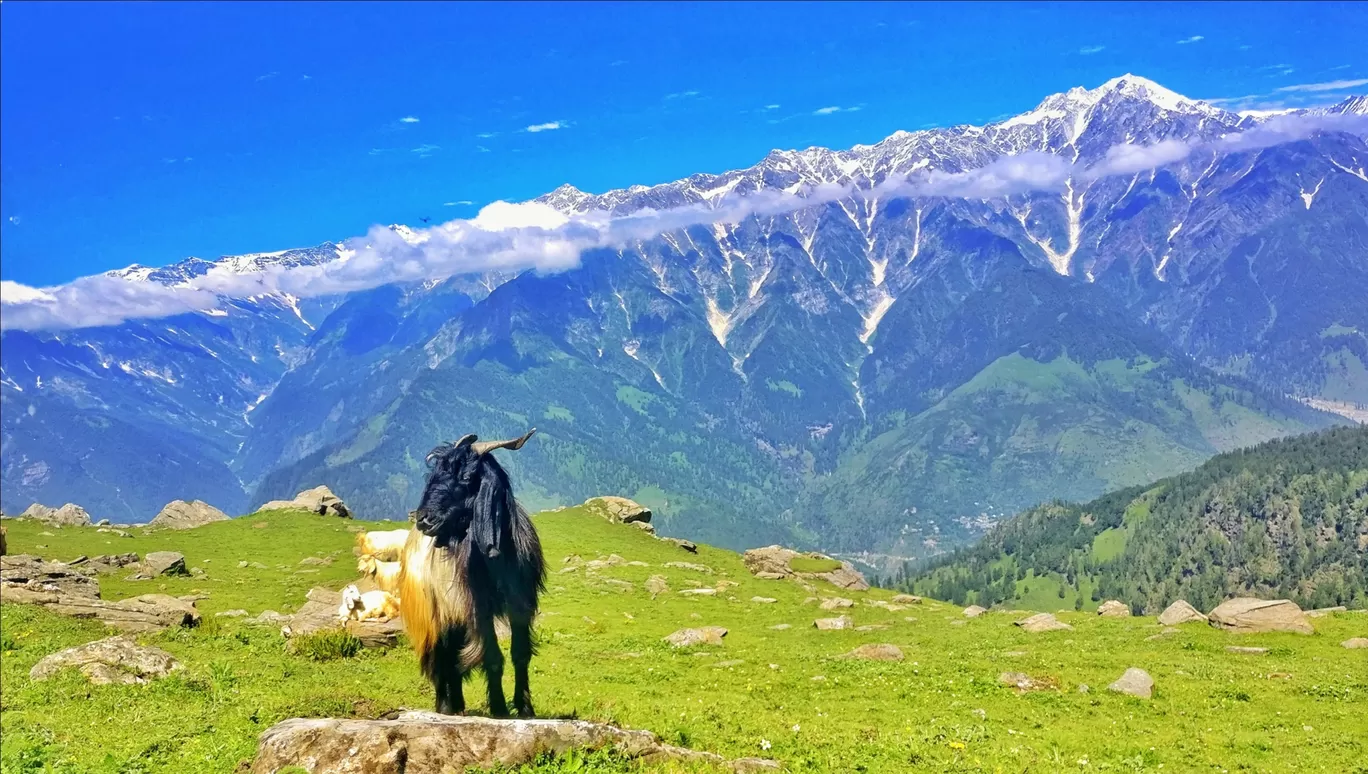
863	373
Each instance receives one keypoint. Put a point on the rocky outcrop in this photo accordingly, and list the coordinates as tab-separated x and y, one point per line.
179	514
1246	615
1042	622
69	515
319	500
832	624
1114	609
1134	682
424	741
116	660
1180	612
706	635
319	614
775	563
618	510
906	599
145	613
681	543
27	573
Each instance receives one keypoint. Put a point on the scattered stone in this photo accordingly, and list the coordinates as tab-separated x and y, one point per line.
613	560
974	611
618	510
818	678
1135	682
270	618
781	627
1114	609
1180	612
910	619
836	602
621	584
198	572
1024	683
879	652
690	566
319	500
871	628
1246	651
1042	622
657	584
236	613
729	663
1355	643
635	563
116	660
1168	631
1246	615
1324	611
706	635
773	562
906	599
699	592
829	624
1083	688
69	515
320	561
179	514
810	600
425	741
163	563
764	600
687	545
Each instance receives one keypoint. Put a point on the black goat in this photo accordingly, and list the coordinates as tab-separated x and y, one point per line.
473	556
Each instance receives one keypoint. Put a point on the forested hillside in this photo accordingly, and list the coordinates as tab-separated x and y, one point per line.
1288	518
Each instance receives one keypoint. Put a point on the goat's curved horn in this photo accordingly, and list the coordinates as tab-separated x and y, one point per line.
484	447
467	437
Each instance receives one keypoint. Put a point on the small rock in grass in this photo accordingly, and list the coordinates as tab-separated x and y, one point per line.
836	602
781	627
1246	651
706	635
828	624
237	613
1180	612
906	599
974	611
729	663
1042	622
1135	682
1355	643
1114	609
879	652
764	600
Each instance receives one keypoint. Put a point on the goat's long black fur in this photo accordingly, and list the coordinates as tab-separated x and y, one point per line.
484	561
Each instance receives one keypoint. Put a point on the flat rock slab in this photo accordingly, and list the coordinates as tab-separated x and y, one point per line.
1042	622
974	611
830	624
116	660
835	603
25	572
164	563
1180	612
1246	615
319	614
705	635
1246	651
427	742
1355	643
878	652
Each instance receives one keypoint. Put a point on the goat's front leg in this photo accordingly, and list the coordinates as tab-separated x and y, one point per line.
493	664
523	649
446	672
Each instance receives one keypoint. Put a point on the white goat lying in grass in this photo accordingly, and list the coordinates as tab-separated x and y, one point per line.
386	574
385	546
373	605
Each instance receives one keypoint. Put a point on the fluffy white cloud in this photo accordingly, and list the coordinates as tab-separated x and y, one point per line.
1326	85
546	127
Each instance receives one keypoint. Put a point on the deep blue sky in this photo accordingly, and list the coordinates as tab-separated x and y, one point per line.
153	131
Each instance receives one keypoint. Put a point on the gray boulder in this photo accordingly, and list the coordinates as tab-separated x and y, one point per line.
425	741
1134	682
319	500
164	563
1114	609
1355	643
833	624
116	660
706	635
1245	615
973	611
618	510
179	514
774	563
1042	622
687	545
22	575
69	515
1180	612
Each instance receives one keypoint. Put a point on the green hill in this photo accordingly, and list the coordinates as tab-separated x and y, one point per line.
602	658
1286	519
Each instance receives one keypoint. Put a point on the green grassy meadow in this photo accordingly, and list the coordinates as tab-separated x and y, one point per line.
777	693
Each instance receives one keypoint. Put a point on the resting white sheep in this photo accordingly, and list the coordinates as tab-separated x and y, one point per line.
376	605
386	574
384	546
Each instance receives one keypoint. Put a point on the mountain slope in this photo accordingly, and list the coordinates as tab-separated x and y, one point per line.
867	373
1286	519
